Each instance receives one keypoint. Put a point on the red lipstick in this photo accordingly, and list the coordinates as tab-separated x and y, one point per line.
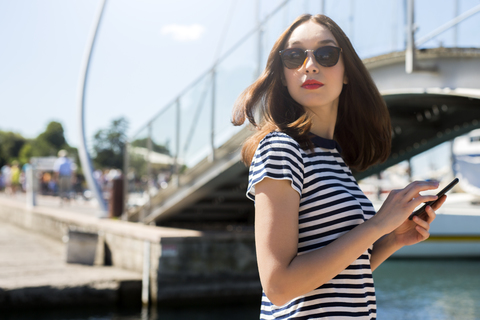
312	84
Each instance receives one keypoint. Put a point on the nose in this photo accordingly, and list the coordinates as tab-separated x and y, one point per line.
310	64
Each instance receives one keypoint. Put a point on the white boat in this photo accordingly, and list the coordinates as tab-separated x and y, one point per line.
454	233
456	230
466	162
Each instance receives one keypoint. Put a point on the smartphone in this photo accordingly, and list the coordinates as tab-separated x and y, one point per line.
421	211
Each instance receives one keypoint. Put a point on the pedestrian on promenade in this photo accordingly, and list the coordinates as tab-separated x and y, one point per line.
7	178
63	168
318	237
15	176
23	177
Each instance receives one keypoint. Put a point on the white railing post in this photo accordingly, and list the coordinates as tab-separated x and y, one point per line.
126	165
148	207
177	144
455	30
212	117
146	273
259	41
30	177
410	50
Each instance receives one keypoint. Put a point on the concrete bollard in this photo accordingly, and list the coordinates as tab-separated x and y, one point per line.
31	190
81	247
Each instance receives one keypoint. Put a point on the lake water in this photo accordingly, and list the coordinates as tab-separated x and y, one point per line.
406	290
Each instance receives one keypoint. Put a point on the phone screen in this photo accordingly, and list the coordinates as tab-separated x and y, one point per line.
421	211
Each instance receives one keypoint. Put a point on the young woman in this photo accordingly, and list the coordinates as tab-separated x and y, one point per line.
318	238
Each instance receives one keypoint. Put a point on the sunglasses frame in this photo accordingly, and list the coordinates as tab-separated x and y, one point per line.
338	49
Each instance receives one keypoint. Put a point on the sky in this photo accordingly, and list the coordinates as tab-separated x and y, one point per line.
147	52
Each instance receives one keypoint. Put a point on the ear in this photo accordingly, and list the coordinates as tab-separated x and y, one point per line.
345	79
284	82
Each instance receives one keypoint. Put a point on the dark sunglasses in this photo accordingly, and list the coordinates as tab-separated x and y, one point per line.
325	56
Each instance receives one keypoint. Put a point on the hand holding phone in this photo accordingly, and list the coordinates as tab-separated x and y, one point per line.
420	212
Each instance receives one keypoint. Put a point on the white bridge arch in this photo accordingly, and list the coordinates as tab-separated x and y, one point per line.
435	104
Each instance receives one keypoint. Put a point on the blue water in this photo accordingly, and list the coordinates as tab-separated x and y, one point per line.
406	290
428	289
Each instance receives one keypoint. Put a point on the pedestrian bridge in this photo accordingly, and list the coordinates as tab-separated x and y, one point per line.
427	108
184	170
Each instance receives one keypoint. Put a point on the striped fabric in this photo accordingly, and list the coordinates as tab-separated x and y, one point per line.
331	204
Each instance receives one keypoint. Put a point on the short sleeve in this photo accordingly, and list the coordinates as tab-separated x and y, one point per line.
279	157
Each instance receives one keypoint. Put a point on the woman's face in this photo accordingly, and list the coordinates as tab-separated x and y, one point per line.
310	36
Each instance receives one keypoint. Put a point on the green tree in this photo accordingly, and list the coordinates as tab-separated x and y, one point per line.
10	145
49	142
109	145
54	135
15	147
25	153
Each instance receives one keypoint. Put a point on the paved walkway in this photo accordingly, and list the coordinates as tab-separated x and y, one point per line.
89	207
33	272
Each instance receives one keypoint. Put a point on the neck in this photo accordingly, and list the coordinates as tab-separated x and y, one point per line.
324	120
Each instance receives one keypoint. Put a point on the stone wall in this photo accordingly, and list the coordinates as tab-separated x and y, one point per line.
184	264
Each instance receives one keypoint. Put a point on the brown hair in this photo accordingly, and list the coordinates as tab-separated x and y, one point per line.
363	127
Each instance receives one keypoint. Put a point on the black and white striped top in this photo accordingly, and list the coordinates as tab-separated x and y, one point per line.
331	204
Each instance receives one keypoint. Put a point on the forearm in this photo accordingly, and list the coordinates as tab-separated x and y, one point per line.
286	275
308	271
382	250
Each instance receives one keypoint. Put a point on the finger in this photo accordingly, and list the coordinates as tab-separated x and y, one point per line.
423	233
422	183
422	199
431	214
439	203
428	214
414	188
421	222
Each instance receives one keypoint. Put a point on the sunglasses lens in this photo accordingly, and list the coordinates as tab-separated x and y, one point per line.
293	58
327	56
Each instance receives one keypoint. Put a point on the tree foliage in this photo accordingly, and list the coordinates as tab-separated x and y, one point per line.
49	142
10	145
15	147
109	145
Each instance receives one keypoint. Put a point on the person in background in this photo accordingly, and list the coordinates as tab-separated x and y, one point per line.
63	169
2	183
15	176
7	178
23	175
44	182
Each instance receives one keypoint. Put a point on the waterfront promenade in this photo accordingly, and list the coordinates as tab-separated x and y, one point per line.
170	264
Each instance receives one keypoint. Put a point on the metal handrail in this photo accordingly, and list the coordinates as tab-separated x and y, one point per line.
448	25
216	63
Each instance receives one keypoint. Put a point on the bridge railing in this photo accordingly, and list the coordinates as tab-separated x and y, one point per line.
197	122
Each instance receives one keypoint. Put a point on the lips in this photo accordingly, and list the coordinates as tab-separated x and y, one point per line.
312	84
